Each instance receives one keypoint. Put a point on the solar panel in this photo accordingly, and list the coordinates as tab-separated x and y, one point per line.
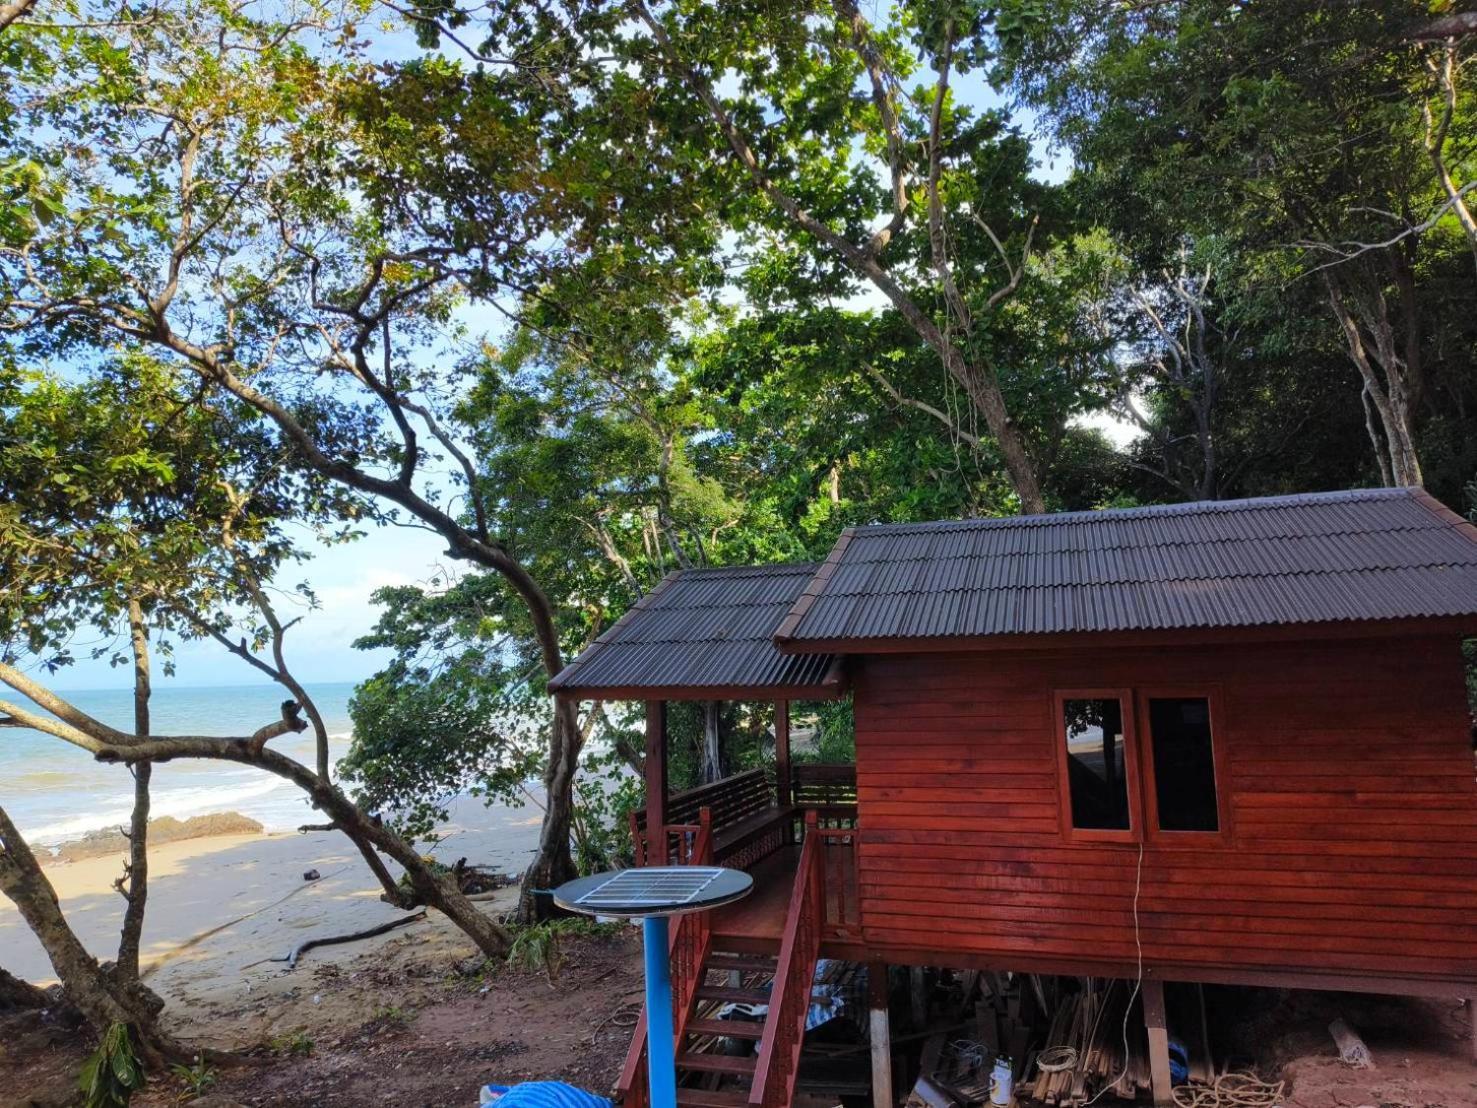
651	887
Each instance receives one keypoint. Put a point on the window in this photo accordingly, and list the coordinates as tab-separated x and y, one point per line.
1136	763
1183	764
1097	763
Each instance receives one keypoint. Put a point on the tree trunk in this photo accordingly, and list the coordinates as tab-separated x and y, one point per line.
100	996
553	864
712	760
135	882
437	890
1383	372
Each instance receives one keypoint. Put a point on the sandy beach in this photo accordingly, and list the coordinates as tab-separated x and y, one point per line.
218	905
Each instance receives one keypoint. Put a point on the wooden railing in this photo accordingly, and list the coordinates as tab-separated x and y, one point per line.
794	978
841	916
688	951
681	840
822	786
730	800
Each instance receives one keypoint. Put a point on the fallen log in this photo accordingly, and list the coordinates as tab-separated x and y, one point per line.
333	940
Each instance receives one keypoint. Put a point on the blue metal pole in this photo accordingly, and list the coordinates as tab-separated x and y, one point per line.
661	1064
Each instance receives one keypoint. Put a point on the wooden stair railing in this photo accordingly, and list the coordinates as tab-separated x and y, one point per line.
688	951
794	979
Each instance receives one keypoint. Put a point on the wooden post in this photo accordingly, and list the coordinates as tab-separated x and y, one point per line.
782	787
1158	1029
918	997
1472	1025
881	1034
656	783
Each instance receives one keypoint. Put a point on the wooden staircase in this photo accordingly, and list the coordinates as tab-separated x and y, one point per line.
717	1060
739	1063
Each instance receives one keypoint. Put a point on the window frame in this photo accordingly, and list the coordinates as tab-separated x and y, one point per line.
1211	694
1128	708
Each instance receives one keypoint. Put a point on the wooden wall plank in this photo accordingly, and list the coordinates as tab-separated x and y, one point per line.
1352	839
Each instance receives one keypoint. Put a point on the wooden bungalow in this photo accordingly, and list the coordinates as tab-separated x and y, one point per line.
1217	742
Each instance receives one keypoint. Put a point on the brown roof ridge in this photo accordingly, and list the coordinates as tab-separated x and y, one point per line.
813	588
1140	511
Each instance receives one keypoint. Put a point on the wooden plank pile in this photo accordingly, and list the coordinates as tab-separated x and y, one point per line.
1064	1037
1083	1050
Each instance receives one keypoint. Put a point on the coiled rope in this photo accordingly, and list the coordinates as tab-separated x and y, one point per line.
1230	1090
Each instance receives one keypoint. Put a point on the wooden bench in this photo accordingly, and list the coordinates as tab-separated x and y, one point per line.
747	823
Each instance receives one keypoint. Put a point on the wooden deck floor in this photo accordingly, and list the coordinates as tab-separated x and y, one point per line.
757	922
760	916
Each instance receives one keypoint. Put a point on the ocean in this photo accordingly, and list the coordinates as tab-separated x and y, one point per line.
56	792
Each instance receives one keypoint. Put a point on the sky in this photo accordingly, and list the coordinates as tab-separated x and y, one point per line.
320	647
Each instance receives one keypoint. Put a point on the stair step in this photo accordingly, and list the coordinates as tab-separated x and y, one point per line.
712	1098
716	1063
734	1029
755	963
737	996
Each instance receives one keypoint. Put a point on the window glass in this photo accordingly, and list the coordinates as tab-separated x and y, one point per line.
1096	772
1184	763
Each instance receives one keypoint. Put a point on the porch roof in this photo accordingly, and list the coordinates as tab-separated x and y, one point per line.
704	634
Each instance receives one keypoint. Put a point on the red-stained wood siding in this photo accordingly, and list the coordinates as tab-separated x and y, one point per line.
1352	841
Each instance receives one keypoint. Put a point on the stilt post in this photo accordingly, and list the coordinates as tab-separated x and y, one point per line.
1472	1024
880	1028
1158	1029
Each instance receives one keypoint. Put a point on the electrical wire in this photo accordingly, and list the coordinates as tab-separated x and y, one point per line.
1138	885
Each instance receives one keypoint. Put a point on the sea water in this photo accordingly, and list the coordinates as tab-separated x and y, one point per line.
56	792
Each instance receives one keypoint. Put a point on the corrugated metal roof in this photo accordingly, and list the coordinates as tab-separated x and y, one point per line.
702	629
1373	554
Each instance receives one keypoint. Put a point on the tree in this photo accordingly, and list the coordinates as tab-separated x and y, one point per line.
129	504
242	210
1311	138
802	130
1176	357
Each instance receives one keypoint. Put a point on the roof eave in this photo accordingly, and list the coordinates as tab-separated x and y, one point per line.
831	687
1457	626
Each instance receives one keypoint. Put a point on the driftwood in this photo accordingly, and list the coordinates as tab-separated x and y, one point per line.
1351	1047
16	994
333	940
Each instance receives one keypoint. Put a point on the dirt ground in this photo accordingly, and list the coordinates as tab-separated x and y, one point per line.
1421	1048
417	1022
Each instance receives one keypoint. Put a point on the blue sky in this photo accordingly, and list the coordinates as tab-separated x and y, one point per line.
319	648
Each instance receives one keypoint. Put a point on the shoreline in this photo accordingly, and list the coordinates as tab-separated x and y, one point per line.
218	903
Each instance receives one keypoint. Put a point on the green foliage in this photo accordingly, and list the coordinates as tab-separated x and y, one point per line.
537	947
833	732
198	1078
298	1044
112	1073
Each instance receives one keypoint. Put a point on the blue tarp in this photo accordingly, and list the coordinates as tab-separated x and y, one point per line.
541	1094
